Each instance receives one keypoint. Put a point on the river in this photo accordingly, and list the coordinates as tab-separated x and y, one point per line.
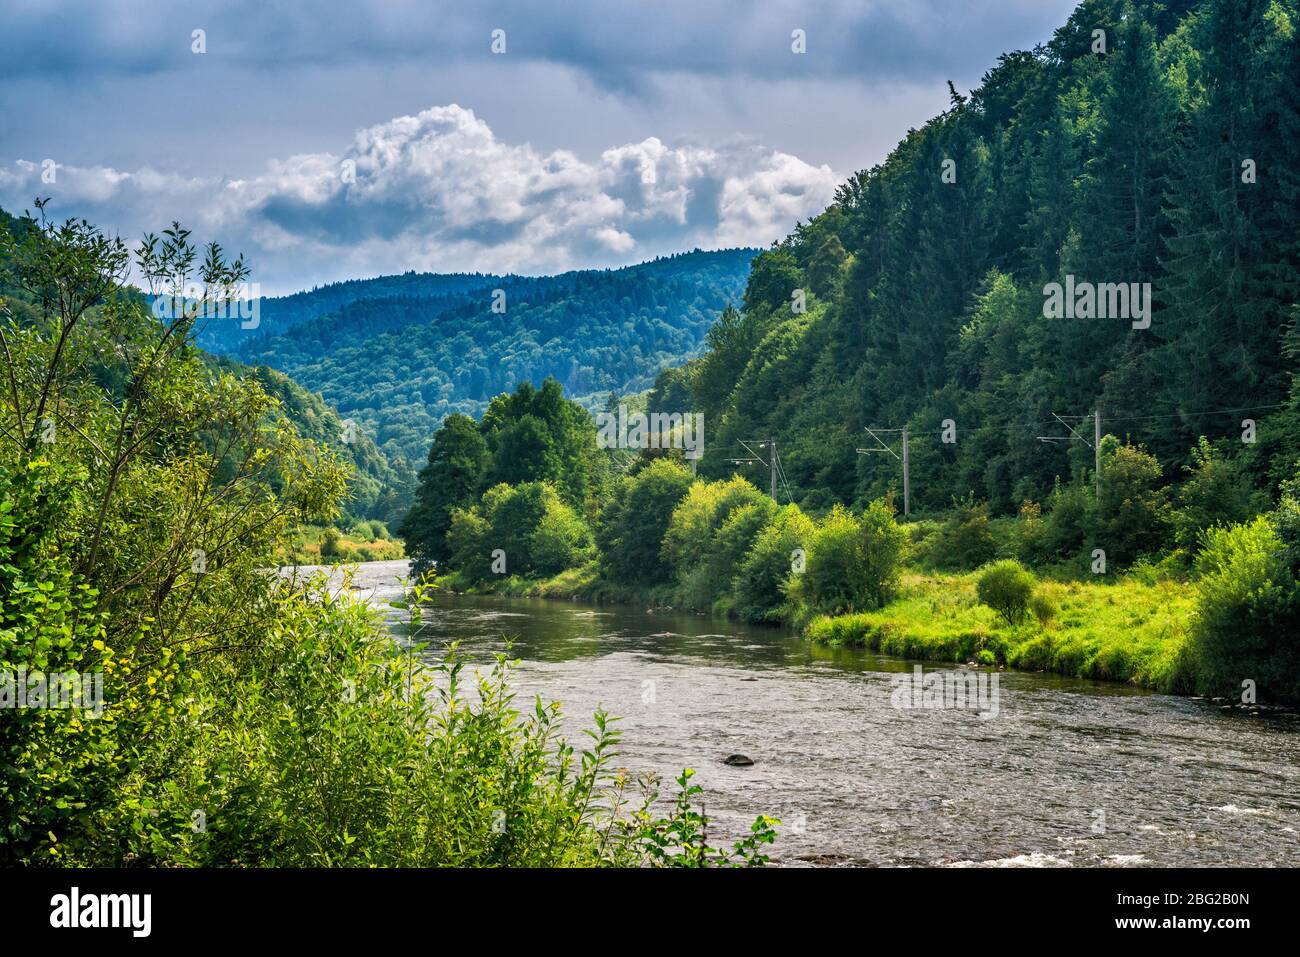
1067	773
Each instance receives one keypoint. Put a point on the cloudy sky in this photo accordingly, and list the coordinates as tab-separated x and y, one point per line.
330	140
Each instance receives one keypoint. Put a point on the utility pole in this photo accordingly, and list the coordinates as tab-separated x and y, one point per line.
905	458
772	462
772	456
907	478
1096	450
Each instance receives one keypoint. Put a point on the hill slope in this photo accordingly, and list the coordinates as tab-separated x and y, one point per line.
398	354
1163	155
379	488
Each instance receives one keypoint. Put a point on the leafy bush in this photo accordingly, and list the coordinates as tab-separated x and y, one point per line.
760	584
1006	587
1216	493
688	541
1134	512
881	553
632	526
469	539
851	563
712	581
560	541
1069	521
1031	534
964	541
1043	607
833	576
539	534
1248	613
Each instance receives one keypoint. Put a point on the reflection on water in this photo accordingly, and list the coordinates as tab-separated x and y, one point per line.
1069	772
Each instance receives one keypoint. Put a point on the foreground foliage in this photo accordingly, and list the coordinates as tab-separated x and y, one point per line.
244	719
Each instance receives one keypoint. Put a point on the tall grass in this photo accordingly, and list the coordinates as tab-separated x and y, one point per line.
1126	631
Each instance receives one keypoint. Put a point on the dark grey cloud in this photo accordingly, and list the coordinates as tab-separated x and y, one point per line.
620	45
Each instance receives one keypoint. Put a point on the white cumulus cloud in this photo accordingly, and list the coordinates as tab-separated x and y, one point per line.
439	191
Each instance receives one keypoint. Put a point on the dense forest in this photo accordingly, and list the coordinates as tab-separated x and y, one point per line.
278	315
398	357
1146	143
1141	149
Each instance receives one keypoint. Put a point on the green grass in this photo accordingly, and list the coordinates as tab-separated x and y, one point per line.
362	542
1125	631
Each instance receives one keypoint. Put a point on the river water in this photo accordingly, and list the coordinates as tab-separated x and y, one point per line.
1067	773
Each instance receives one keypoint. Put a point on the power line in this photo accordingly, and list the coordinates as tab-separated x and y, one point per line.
1074	436
905	459
773	463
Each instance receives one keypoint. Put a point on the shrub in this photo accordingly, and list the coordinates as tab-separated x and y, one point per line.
1248	613
760	584
513	513
882	552
964	541
1043	607
713	579
1031	534
1134	513
469	544
695	520
560	541
1006	587
1069	522
1215	493
538	532
631	529
851	563
833	569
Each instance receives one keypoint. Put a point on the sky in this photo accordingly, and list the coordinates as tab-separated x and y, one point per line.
328	140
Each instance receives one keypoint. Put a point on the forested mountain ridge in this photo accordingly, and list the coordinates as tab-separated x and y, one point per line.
399	363
1144	144
279	314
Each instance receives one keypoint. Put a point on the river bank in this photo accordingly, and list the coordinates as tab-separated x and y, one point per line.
1124	630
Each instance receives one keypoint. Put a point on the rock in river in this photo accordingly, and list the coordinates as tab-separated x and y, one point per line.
738	760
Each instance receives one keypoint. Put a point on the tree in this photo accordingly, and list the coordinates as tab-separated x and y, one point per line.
1133	511
633	524
537	435
779	552
854	563
450	479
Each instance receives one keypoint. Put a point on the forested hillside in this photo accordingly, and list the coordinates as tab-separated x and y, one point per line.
279	314
1146	143
401	357
376	488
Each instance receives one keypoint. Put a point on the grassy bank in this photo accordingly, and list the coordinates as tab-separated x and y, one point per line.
363	541
1121	631
1125	630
